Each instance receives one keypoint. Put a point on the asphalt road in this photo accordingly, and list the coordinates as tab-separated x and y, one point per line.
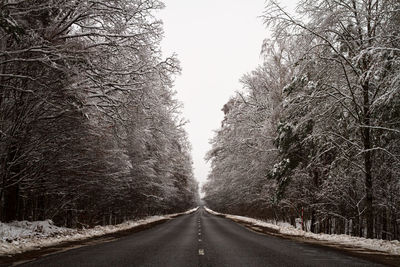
200	239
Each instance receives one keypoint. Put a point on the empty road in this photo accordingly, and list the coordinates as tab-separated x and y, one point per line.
200	239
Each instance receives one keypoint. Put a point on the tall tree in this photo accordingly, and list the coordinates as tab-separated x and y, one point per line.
351	45
79	82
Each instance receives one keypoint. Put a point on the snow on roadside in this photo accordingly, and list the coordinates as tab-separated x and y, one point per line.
21	236
390	247
25	229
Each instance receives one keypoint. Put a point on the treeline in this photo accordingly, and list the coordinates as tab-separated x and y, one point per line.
90	131
317	126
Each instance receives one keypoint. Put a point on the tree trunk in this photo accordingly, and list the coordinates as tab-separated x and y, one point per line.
293	221
366	131
10	207
312	227
384	225
11	192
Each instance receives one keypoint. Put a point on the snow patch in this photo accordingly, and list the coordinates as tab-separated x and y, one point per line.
390	247
25	229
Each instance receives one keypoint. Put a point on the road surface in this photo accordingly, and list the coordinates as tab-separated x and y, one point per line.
200	239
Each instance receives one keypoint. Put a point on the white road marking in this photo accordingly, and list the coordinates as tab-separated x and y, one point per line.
199	240
201	252
199	233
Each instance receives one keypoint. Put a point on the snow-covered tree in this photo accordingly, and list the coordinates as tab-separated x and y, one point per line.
88	119
334	122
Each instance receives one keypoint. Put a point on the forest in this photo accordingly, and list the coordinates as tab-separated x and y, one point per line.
90	129
316	127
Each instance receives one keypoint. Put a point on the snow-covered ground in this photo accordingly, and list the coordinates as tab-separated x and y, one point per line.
390	247
21	236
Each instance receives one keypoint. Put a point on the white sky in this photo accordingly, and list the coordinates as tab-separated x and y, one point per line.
217	42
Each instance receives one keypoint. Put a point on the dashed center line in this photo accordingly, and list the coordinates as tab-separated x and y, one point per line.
201	251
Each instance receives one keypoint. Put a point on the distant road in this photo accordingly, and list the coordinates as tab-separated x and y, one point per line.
200	239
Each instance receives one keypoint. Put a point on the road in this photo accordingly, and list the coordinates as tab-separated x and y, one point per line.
200	239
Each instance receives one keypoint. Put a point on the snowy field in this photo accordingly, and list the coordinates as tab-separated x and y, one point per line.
21	236
390	247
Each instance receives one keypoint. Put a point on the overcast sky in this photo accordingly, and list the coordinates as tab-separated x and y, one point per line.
217	41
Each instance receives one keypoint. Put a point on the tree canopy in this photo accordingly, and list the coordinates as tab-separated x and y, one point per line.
90	131
317	126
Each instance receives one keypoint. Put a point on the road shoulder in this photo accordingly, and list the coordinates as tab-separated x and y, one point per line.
33	254
363	253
